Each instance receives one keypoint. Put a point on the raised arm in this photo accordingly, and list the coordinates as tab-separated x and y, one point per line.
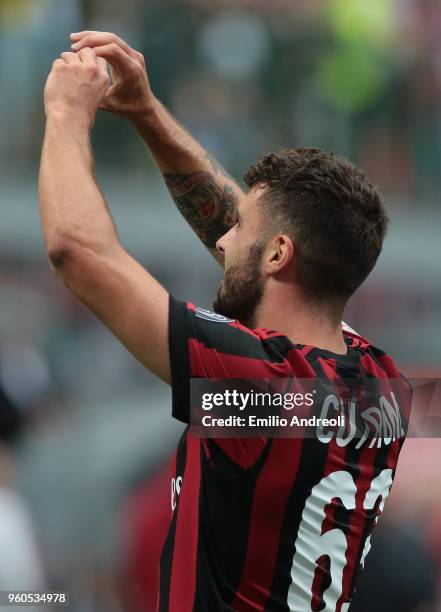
202	190
80	236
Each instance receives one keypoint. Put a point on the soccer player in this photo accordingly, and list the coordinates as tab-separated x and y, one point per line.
259	523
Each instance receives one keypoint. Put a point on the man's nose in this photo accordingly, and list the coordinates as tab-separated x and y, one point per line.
220	247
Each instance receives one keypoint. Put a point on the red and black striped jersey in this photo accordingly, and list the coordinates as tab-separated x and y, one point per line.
267	524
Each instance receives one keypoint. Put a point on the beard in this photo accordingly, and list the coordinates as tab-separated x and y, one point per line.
241	290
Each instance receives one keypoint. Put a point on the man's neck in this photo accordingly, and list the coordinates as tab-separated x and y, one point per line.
301	323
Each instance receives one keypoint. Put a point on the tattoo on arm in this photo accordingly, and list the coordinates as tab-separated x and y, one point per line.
209	209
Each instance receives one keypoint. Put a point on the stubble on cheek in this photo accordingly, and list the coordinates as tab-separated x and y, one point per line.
241	290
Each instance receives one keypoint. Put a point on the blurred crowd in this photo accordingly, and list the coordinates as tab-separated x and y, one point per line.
245	76
85	431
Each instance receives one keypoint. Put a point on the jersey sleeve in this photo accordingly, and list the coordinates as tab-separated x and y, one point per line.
204	344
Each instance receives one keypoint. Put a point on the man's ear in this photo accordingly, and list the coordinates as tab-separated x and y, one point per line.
280	254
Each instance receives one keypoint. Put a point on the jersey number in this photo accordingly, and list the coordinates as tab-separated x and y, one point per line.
312	544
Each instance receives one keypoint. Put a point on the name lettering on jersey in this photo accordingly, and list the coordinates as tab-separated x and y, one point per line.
176	485
208	315
382	423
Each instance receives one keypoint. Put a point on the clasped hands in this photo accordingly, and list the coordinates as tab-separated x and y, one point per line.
79	82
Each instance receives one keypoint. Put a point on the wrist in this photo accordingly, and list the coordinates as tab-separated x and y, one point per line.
70	119
147	115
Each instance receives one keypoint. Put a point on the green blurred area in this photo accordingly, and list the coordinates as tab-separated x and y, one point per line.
371	67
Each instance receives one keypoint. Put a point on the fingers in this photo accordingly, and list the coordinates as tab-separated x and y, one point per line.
98	39
102	63
116	57
70	58
102	66
88	56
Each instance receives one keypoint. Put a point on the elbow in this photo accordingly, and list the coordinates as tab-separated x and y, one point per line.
76	261
58	254
64	255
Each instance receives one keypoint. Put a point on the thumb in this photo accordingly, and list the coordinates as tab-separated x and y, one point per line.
102	65
104	71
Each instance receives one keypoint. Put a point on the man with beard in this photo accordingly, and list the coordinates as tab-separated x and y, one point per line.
255	523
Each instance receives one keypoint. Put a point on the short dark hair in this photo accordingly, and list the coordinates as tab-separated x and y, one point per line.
333	213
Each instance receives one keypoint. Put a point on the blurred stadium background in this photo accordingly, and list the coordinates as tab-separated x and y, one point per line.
82	486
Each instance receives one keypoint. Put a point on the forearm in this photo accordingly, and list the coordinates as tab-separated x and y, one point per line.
73	212
204	193
84	250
